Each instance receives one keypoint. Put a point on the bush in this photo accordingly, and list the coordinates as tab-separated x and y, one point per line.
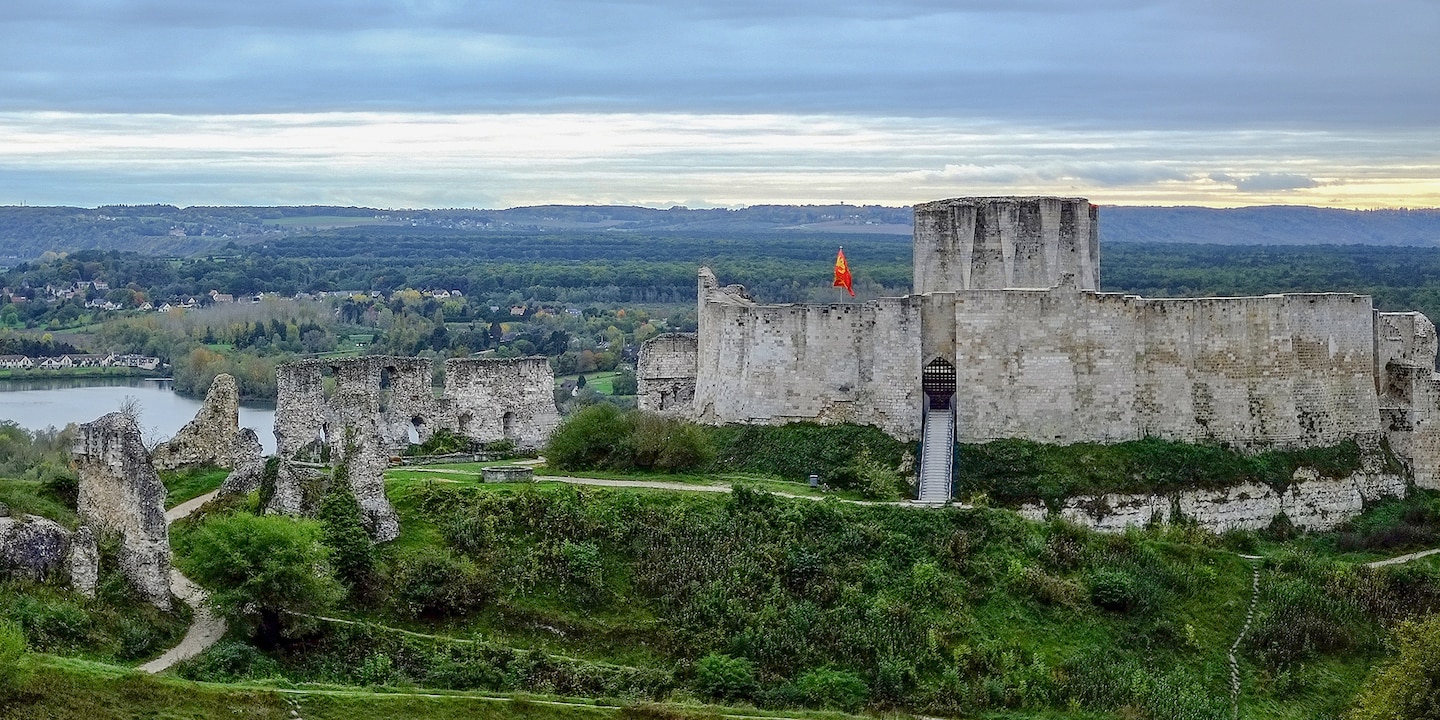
229	661
587	439
603	437
724	678
14	668
343	531
1406	688
871	478
436	583
1299	621
1119	591
258	567
833	689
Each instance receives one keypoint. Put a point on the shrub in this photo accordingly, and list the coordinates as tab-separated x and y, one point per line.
1406	688
258	567
343	531
833	689
871	478
1118	591
229	661
14	668
587	439
724	678
1299	620
436	583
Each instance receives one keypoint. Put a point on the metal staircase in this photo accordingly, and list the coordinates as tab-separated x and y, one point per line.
937	454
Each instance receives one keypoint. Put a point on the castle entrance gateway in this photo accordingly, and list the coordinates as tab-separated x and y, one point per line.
938	382
937	443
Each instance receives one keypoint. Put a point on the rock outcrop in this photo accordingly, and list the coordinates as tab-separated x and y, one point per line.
1310	502
208	439
121	496
33	548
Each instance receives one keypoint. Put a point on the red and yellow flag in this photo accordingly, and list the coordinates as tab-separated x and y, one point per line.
842	273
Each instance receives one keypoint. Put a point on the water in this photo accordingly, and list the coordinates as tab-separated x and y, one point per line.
40	403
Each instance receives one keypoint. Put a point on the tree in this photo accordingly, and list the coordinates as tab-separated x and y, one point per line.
625	383
1408	688
258	568
580	382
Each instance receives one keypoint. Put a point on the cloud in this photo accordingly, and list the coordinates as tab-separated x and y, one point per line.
1266	182
1108	63
506	159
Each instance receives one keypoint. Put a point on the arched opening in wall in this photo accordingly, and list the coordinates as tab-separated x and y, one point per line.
937	380
507	425
467	423
412	430
327	381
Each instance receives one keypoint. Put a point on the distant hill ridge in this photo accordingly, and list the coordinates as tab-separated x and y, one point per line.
27	232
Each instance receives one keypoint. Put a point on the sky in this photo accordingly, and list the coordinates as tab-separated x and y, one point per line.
468	103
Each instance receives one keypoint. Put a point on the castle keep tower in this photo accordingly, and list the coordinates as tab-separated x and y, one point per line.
991	243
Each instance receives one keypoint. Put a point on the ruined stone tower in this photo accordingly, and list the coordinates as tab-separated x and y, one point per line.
1005	242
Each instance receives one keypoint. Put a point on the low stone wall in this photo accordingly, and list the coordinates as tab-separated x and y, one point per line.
1310	502
507	473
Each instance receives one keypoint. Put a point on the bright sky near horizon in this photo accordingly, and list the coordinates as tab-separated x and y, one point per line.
467	103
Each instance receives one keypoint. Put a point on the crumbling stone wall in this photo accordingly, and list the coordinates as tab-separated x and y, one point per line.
209	438
357	412
665	374
357	424
120	495
248	465
502	399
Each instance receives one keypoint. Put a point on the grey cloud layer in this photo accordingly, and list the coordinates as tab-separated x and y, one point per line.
1135	63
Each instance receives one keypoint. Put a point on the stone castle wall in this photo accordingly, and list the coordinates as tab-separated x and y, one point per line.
773	364
665	373
1006	291
1058	365
502	399
360	411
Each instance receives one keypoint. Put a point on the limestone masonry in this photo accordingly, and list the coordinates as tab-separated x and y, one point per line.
357	412
1007	311
209	438
121	496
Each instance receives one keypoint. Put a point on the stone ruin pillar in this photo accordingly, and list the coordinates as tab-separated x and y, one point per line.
208	439
121	496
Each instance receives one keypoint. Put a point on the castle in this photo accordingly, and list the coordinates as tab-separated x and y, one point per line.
1007	335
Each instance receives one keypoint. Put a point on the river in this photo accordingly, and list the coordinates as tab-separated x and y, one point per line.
56	402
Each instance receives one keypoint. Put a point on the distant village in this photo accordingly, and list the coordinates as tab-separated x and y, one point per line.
81	360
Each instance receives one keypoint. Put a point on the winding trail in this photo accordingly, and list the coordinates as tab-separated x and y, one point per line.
205	628
1235	646
1402	558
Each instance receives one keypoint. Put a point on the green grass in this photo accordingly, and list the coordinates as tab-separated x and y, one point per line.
65	689
602	382
1014	471
182	485
29	497
1005	603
